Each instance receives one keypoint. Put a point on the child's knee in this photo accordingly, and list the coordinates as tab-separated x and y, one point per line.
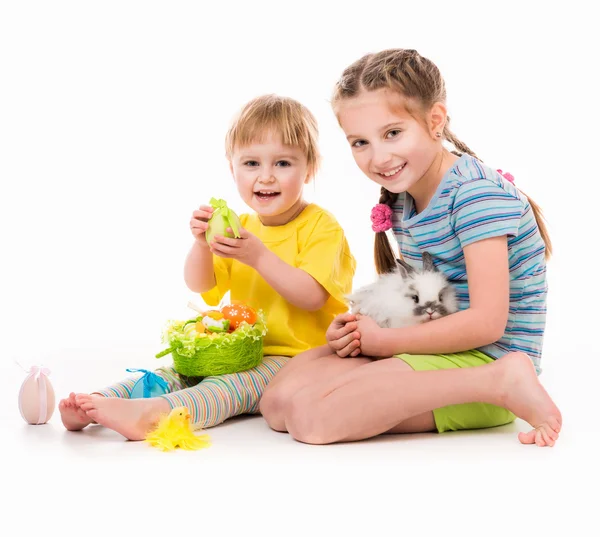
305	421
272	406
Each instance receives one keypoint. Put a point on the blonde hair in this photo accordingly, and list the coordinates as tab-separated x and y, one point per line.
420	82
280	115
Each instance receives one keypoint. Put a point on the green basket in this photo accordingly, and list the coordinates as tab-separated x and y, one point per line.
216	354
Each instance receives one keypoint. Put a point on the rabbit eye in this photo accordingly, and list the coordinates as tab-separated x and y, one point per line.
415	298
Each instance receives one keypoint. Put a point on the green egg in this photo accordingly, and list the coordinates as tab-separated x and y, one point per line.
222	218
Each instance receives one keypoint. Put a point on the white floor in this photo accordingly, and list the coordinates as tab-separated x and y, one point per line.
112	136
260	482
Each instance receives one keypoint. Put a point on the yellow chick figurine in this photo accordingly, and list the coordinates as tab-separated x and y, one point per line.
174	430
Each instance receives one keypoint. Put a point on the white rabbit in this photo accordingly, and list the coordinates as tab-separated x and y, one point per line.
406	296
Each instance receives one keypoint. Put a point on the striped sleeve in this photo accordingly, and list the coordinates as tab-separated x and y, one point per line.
482	209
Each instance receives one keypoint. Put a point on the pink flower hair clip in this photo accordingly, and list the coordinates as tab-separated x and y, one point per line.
381	217
508	176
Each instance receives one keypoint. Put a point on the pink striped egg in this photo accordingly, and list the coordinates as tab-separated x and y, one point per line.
36	397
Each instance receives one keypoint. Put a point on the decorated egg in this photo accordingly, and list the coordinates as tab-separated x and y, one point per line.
214	321
238	313
215	325
36	396
222	218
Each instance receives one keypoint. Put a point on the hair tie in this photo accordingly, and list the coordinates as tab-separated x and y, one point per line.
381	217
509	177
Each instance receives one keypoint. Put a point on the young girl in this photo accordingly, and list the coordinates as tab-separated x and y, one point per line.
292	261
475	368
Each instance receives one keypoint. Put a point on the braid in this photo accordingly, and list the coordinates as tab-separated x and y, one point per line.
460	146
385	260
537	211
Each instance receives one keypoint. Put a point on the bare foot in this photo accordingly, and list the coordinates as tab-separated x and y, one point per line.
72	416
133	418
524	395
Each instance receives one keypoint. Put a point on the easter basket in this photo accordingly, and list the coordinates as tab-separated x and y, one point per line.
202	349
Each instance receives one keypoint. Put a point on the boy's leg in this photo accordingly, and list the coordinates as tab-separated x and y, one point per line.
219	398
174	381
74	418
210	402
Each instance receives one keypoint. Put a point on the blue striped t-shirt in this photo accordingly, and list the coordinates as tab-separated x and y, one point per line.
474	202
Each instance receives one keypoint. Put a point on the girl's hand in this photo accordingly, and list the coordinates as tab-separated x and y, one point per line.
199	223
370	336
342	337
247	248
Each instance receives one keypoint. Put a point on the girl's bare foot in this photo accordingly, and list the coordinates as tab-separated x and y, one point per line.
524	395
72	416
133	418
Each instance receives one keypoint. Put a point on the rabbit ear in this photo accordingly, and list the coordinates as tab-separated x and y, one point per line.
428	265
405	269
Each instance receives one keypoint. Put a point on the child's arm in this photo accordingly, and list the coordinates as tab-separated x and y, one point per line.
199	272
484	322
293	284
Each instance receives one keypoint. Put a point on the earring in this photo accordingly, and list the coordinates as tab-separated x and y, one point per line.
438	134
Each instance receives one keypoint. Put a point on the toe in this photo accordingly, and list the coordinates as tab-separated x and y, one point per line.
86	403
539	438
527	438
556	426
546	436
82	398
551	433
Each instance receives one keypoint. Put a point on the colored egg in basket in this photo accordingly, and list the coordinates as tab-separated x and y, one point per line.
216	342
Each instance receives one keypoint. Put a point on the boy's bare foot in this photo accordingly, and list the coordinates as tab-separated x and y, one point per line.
72	416
524	395
133	418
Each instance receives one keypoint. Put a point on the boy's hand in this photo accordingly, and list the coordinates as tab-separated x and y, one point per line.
199	223
342	336
247	248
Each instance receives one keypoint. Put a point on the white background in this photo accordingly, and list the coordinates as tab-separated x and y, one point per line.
112	121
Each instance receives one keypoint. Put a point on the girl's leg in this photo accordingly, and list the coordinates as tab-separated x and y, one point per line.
74	418
316	366
300	361
210	402
305	369
376	398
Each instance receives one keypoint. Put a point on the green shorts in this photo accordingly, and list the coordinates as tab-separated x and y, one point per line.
465	416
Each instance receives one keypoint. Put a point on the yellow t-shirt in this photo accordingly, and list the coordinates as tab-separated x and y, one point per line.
313	242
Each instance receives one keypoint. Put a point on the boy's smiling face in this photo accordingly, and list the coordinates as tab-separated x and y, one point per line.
270	178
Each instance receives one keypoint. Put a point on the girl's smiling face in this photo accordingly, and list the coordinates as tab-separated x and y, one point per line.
391	147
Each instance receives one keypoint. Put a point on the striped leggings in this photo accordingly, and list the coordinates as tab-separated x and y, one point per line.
210	400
